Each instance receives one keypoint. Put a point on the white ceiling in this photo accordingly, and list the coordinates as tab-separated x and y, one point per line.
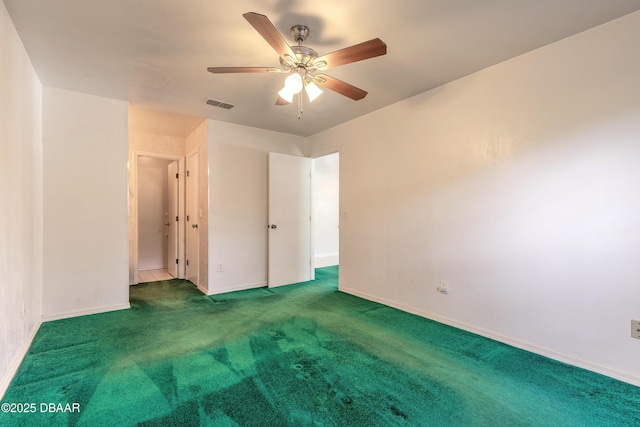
154	53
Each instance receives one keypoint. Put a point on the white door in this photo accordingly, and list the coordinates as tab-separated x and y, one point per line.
171	224
193	236
289	219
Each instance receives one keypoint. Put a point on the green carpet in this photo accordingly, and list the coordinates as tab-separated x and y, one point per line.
300	355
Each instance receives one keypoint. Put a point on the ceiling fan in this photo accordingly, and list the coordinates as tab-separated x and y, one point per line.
304	65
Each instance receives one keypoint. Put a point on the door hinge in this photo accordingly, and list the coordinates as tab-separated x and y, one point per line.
176	176
176	260
187	174
176	217
187	218
187	262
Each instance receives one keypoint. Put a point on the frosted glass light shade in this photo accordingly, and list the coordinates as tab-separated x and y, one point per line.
293	83
286	94
313	91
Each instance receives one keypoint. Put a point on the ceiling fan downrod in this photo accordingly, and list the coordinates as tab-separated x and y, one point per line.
300	33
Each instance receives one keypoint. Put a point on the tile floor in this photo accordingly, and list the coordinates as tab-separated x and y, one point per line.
145	276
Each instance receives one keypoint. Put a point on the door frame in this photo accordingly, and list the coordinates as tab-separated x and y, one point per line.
313	217
194	152
181	209
173	192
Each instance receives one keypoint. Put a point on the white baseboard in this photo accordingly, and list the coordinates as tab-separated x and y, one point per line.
236	288
589	365
17	360
161	267
85	312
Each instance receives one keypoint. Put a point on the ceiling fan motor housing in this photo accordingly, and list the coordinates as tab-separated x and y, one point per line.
305	56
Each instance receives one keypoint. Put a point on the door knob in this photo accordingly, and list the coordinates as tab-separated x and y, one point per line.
194	226
274	226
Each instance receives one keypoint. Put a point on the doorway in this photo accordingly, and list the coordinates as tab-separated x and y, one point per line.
326	210
153	219
158	233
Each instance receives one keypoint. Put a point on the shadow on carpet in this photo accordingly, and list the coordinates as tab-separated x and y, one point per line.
300	355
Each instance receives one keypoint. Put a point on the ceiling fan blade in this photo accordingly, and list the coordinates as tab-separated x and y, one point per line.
269	32
355	53
222	70
282	101
341	87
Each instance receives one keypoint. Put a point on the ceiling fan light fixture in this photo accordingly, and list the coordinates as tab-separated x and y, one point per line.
313	91
286	94
293	83
301	63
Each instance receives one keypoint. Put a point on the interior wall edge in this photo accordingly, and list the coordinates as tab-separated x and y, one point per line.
21	187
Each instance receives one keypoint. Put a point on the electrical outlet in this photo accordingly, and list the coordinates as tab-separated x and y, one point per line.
220	267
635	329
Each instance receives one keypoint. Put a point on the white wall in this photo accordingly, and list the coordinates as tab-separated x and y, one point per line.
326	209
519	186
20	201
85	141
155	143
153	206
238	165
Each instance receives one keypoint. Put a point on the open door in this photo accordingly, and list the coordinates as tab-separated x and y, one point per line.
193	235
171	224
289	219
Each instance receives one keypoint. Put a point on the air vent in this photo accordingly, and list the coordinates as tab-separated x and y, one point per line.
220	104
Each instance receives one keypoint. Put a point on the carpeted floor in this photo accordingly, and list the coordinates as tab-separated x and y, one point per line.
299	355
